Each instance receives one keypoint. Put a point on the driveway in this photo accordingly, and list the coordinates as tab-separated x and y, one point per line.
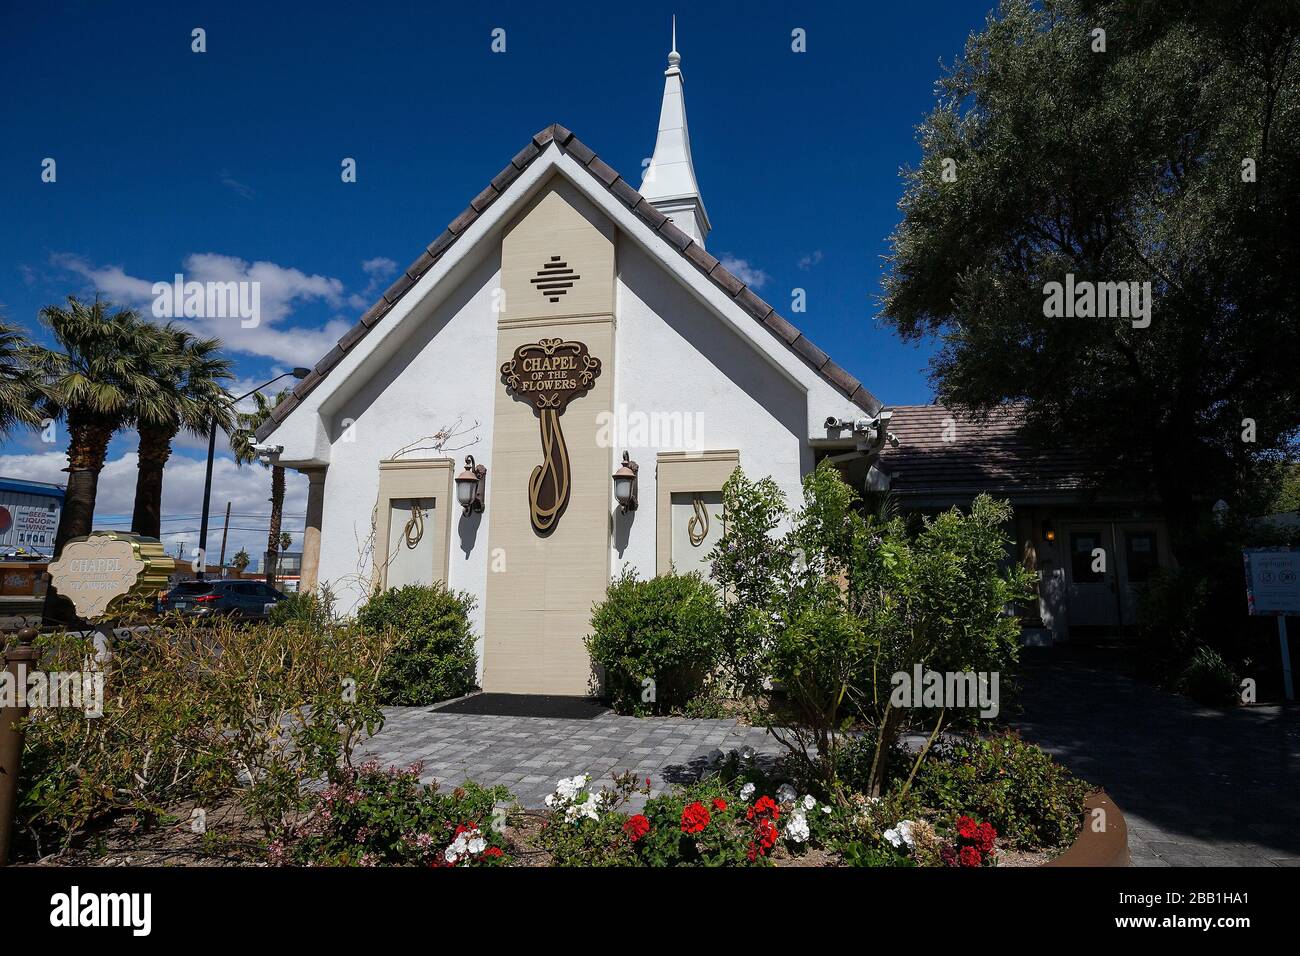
1198	786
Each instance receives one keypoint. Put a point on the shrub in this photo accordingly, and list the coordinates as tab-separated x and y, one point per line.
374	817
433	658
193	712
841	602
309	608
1032	801
657	639
1208	679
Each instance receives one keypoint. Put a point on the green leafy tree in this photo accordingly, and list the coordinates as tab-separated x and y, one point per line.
192	397
831	609
240	561
1162	153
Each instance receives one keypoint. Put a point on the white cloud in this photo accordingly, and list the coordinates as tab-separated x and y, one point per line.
813	258
282	289
380	268
752	276
247	488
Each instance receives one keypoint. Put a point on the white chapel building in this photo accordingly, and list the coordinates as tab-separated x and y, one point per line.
567	321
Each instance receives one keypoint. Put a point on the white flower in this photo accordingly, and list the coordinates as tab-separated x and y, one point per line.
809	802
477	845
796	828
826	809
900	834
746	791
785	793
450	855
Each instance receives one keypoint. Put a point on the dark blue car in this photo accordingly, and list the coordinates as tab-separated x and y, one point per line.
242	599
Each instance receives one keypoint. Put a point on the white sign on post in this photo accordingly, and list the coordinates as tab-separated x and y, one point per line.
1273	588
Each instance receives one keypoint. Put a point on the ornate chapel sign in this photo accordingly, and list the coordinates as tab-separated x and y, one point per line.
549	374
101	571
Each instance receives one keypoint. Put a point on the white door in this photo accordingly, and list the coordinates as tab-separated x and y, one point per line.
1090	573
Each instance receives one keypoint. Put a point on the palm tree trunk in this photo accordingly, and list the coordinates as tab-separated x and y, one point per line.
155	449
89	436
273	535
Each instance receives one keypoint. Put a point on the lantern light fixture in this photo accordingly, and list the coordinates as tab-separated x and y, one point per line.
1049	531
625	484
471	486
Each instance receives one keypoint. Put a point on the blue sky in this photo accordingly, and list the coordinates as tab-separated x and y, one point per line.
169	161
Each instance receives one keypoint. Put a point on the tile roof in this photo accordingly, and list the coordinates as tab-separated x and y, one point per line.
992	455
629	196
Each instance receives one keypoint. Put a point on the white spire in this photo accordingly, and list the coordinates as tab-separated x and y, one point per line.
669	183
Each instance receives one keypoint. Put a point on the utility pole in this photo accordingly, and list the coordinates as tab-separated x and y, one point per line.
225	529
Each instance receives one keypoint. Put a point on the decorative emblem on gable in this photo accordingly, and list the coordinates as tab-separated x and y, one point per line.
549	374
554	279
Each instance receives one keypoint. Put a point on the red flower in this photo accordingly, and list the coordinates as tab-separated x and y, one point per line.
695	817
719	804
966	827
985	837
969	856
764	807
492	851
636	827
765	834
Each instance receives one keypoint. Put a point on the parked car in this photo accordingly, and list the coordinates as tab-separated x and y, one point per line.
250	600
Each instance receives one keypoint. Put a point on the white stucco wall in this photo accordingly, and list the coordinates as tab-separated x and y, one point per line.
443	372
433	362
675	357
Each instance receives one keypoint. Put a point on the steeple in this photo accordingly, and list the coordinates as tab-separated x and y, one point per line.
669	183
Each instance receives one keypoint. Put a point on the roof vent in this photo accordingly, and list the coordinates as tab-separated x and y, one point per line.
554	279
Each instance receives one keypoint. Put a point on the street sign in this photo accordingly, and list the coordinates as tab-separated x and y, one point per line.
1273	588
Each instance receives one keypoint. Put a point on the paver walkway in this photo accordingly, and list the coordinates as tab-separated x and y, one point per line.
529	754
1198	786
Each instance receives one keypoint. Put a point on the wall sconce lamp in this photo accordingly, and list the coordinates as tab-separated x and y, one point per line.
471	485
625	484
1049	532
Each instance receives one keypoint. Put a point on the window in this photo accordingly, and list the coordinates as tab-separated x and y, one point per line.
1082	546
1141	555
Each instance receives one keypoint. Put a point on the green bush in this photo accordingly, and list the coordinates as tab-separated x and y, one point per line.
433	658
1031	800
306	608
658	641
1208	679
374	817
197	712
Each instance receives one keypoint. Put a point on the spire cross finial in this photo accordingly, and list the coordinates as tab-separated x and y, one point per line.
674	57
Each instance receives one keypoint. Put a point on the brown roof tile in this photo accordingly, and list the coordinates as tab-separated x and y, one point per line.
945	454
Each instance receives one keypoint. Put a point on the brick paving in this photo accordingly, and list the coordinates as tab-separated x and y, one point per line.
529	754
1198	786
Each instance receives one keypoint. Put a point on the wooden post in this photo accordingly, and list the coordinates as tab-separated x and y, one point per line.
11	738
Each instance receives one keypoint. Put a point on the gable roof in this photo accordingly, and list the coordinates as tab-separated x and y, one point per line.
991	455
619	187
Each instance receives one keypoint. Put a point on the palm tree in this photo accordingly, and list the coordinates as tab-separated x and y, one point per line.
193	397
19	384
241	442
105	369
240	561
